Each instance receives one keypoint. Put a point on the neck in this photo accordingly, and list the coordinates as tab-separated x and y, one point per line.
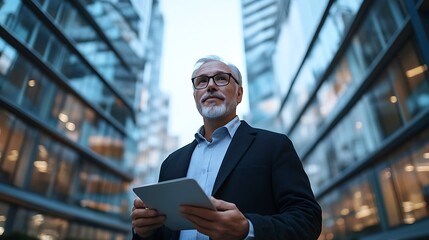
210	125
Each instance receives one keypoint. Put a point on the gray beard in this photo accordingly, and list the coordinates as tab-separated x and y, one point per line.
212	112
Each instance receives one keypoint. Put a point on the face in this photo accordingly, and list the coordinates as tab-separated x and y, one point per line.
214	102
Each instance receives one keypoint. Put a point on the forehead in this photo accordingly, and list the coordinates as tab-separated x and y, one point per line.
212	67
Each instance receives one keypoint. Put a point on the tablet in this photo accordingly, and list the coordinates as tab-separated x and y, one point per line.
167	196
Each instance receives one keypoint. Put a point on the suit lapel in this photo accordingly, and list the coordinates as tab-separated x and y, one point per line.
241	141
179	167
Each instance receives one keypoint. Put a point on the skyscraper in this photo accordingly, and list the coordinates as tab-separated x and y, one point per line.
353	76
261	29
71	77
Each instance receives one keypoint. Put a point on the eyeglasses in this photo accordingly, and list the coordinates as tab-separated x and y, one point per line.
220	79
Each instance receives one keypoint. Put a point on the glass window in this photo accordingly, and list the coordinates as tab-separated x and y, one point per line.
65	174
386	21
367	41
41	41
45	166
4	209
7	58
364	125
55	53
39	225
16	79
316	166
25	157
385	104
12	153
405	183
71	117
6	124
68	18
53	7
350	210
18	19
36	92
415	91
307	127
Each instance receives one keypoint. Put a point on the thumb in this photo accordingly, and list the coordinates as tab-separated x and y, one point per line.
138	203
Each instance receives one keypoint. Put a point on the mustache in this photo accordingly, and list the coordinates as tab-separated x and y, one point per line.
211	95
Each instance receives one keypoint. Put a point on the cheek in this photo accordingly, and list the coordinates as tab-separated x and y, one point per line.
197	97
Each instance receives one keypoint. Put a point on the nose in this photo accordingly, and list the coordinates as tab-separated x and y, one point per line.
211	84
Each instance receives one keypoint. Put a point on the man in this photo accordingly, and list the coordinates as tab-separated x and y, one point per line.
257	181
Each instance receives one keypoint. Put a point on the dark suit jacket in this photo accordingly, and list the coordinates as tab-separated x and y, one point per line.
263	176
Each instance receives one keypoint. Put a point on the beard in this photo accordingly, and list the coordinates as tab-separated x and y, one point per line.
216	111
212	112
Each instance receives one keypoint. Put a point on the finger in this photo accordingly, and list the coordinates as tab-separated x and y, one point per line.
222	205
203	213
148	222
138	203
144	229
144	213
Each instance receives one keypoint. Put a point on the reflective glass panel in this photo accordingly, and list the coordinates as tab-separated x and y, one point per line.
12	153
66	170
414	78
4	208
385	104
44	166
405	183
350	210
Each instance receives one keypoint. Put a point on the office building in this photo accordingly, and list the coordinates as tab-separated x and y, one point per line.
71	76
154	142
353	76
261	29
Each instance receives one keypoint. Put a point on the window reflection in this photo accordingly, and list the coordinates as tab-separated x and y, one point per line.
317	167
102	191
44	226
388	105
4	208
21	23
385	104
12	153
6	123
350	210
44	166
405	183
65	173
415	90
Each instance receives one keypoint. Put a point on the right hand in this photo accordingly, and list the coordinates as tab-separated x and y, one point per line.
145	220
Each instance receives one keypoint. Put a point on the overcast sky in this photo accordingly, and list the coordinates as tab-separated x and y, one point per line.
194	29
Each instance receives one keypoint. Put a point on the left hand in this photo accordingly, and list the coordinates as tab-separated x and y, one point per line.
225	223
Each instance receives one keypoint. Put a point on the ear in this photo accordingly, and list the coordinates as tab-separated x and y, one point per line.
239	94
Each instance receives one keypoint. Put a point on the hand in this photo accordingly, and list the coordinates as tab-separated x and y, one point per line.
225	223
145	220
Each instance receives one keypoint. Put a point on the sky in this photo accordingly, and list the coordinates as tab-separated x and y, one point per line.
195	29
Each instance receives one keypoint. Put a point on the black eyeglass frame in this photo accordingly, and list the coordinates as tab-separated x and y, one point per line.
212	77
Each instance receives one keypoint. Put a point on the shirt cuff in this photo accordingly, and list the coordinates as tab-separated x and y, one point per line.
251	234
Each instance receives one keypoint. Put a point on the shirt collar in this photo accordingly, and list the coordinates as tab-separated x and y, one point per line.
231	128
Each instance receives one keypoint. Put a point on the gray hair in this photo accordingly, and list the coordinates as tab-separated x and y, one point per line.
234	70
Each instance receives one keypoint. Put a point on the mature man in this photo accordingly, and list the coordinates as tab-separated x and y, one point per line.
254	176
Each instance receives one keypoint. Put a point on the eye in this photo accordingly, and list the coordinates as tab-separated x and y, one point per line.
200	80
221	77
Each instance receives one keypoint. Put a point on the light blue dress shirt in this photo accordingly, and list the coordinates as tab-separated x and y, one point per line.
205	163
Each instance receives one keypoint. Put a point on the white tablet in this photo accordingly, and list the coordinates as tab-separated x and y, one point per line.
167	196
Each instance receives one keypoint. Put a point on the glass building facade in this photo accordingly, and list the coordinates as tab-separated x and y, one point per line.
261	27
356	107
69	77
